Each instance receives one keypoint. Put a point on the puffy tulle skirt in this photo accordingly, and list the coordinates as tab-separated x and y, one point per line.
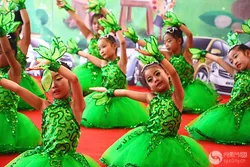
34	158
32	85
25	136
89	75
118	112
199	97
218	124
170	152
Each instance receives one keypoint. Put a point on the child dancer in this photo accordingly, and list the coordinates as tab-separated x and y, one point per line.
157	143
228	123
103	110
198	95
18	133
89	75
60	119
23	44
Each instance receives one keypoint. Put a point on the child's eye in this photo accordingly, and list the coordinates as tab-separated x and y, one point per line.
149	79
157	73
58	79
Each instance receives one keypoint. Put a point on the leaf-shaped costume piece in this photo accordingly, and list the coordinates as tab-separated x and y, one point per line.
7	23
56	51
246	26
72	46
96	5
130	33
146	59
172	20
152	48
105	32
110	22
104	98
198	54
20	4
67	6
233	39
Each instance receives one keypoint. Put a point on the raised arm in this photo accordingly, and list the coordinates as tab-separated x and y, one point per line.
124	59
189	43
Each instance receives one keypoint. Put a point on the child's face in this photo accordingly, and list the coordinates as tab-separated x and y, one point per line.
106	48
157	79
239	59
95	25
172	44
60	88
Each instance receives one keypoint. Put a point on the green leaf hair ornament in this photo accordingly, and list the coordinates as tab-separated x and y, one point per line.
20	4
110	22
198	54
130	33
152	48
233	39
7	23
96	5
246	26
172	20
56	51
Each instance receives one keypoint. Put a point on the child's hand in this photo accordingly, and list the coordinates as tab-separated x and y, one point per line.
64	4
96	5
130	33
144	52
198	54
98	89
171	19
40	66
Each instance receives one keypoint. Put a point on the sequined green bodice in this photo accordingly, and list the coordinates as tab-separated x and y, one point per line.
240	95
165	118
60	131
21	58
112	76
8	102
93	47
183	68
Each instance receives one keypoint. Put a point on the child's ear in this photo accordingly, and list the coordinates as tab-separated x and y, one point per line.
179	40
115	45
247	53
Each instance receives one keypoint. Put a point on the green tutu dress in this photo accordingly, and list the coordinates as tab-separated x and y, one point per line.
27	82
231	119
199	96
89	75
60	135
157	144
103	111
18	133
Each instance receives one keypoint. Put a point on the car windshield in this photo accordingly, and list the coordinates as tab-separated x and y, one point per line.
200	43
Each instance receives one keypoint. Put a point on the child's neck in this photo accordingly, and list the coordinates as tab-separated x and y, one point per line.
178	51
113	58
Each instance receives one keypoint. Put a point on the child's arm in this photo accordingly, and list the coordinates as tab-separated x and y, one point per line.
14	72
123	59
189	43
138	96
87	33
25	41
96	61
33	100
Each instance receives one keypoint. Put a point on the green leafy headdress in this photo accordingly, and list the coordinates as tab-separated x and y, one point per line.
233	39
57	50
246	26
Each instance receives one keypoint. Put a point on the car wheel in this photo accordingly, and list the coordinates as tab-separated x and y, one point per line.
202	74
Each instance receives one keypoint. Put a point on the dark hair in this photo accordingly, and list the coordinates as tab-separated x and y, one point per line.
65	65
174	32
241	47
18	18
13	41
96	15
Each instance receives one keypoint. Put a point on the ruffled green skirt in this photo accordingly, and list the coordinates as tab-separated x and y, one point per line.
32	85
218	124
119	112
199	97
170	152
42	159
88	75
19	138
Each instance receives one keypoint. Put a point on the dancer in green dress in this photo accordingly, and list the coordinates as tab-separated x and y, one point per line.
103	110
18	132
232	118
21	15
199	96
156	143
60	118
89	74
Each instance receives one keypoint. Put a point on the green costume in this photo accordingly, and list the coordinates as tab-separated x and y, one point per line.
157	142
231	119
18	132
60	135
199	96
111	112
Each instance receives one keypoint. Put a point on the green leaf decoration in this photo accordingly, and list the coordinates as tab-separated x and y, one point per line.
96	5
43	51
198	54
246	27
72	46
152	45
110	22
3	10
172	20
46	80
233	39
146	59
14	26
12	6
130	33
